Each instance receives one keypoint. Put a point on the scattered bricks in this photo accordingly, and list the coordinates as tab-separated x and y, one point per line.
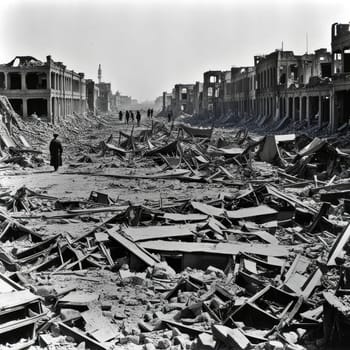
149	346
274	345
237	340
164	343
106	306
168	334
216	271
108	314
205	341
69	314
145	327
135	339
176	332
148	317
182	340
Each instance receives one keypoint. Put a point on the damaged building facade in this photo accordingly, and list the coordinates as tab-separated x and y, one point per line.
183	99
47	89
312	89
92	93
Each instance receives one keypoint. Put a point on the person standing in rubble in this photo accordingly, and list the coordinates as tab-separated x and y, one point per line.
120	115
151	113
169	116
132	117
127	116
148	113
55	152
138	118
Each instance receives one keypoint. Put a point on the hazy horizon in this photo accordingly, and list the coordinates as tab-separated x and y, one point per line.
146	47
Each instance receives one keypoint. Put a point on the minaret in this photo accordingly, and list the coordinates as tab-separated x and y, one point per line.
99	74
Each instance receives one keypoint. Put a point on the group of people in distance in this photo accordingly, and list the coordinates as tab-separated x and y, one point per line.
129	115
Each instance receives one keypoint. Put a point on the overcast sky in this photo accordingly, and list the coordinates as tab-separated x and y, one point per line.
147	46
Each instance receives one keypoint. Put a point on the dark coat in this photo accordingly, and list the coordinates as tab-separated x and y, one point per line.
56	153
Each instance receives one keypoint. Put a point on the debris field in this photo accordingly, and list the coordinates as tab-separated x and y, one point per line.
171	236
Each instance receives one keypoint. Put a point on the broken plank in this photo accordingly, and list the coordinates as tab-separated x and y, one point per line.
137	234
79	336
216	248
132	247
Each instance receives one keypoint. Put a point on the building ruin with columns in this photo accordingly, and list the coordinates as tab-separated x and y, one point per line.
312	89
47	89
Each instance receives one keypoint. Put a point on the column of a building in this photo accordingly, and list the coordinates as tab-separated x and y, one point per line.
25	107
332	122
293	108
49	110
287	106
300	108
319	110
5	81
307	115
23	81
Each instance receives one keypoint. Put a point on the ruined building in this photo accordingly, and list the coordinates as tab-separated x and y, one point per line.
197	97
105	93
311	89
212	85
104	97
92	93
166	102
183	99
47	89
242	89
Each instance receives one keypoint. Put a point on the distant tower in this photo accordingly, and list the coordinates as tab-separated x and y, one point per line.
99	74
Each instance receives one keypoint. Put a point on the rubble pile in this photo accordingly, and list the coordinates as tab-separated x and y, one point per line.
246	246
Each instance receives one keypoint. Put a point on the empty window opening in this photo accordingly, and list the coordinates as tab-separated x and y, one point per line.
347	61
337	56
294	72
38	106
17	105
52	80
210	91
283	78
75	85
183	107
183	94
213	79
14	81
2	80
36	80
217	93
326	70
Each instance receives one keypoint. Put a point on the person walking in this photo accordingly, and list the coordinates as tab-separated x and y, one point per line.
127	116
138	118
169	116
55	152
120	115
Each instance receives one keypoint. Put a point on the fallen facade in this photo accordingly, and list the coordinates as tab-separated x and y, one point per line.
47	89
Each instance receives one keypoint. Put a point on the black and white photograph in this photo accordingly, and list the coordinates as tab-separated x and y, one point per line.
174	175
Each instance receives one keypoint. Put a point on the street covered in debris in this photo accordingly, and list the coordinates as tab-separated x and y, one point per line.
172	236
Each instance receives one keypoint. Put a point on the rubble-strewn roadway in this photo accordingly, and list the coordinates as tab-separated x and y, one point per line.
170	236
